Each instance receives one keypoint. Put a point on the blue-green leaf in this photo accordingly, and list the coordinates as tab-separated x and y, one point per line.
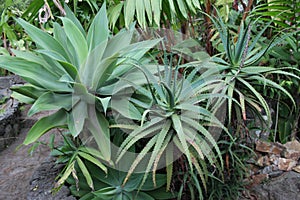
45	124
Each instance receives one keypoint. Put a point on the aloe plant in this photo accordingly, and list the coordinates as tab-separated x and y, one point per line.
67	72
240	64
177	119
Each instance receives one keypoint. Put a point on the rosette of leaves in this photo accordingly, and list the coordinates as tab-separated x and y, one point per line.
67	71
245	78
176	122
110	186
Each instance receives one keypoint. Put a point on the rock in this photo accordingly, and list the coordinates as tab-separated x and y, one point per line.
274	159
258	179
286	164
297	168
9	111
284	187
263	161
9	122
275	173
269	147
5	82
292	150
43	181
269	169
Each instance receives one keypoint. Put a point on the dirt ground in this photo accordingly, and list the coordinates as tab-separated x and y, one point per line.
17	165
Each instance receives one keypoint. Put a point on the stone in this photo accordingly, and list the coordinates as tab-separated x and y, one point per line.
276	173
269	147
284	187
259	178
274	159
5	82
9	113
43	182
297	168
292	150
263	161
269	169
286	164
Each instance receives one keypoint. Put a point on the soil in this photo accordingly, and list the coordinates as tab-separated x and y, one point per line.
17	165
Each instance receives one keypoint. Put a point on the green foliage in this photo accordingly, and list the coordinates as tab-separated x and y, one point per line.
236	156
84	73
74	154
179	116
67	73
110	186
152	12
240	64
11	35
16	4
287	55
284	14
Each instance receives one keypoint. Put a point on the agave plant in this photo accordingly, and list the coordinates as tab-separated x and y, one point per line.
240	64
66	73
176	122
110	186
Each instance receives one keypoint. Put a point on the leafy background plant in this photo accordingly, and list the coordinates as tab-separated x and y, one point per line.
254	67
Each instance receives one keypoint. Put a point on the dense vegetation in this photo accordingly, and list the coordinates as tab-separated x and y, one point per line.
157	99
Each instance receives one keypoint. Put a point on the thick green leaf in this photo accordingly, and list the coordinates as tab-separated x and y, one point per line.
129	10
161	194
21	98
51	101
104	102
58	119
158	145
72	17
85	172
140	12
156	9
34	73
71	70
106	193
67	173
93	160
98	31
177	125
77	39
114	14
182	8
29	91
43	39
76	118
99	128
93	61
142	196
118	42
127	109
148	8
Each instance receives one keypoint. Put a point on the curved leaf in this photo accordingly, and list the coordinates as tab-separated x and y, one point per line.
77	39
58	119
43	39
